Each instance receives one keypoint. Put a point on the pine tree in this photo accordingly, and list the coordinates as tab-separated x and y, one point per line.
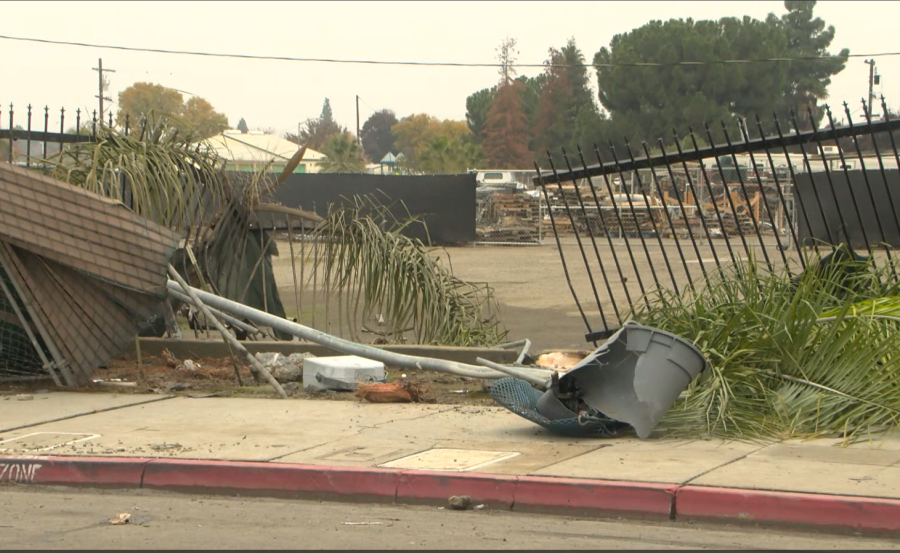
505	133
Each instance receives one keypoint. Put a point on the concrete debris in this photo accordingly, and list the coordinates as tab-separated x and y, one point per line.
460	502
121	518
284	369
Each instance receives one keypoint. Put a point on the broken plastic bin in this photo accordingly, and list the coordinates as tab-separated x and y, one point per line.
636	376
340	372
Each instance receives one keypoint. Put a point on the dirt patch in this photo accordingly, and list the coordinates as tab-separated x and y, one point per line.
217	376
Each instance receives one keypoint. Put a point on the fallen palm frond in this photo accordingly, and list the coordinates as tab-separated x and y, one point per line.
811	356
180	184
395	279
161	175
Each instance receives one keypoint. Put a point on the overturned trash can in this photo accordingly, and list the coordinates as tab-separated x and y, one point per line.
631	380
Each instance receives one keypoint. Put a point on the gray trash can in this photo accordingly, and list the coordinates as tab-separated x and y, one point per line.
636	376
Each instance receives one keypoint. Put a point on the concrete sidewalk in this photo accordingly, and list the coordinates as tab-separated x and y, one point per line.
426	453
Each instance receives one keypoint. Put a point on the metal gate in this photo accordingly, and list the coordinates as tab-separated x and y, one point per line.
634	222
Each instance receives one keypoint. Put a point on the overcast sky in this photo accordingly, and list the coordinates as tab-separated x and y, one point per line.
280	94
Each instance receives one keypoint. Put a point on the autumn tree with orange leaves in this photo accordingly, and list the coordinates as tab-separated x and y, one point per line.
505	128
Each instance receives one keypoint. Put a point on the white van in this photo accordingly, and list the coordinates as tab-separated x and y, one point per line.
497	181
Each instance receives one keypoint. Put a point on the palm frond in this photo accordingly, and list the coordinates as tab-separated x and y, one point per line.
818	354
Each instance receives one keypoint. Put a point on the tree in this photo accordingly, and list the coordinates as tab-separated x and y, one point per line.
478	103
158	103
242	126
377	138
413	132
565	103
477	106
317	132
530	94
649	102
807	81
148	100
199	115
342	155
505	139
442	154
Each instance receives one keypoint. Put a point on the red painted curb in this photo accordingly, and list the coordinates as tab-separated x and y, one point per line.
595	495
85	471
498	491
174	474
834	511
493	490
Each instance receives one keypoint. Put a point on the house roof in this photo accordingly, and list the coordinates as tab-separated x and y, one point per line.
256	146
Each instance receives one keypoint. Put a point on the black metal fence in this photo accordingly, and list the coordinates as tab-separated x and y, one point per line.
636	221
29	139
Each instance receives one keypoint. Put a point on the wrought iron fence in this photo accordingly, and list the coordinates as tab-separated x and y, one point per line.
34	140
638	220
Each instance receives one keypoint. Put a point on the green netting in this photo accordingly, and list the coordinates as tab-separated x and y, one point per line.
519	397
18	358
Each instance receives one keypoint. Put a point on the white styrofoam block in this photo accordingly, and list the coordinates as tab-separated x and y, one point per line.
346	368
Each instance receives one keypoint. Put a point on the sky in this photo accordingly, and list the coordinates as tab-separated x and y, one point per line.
279	95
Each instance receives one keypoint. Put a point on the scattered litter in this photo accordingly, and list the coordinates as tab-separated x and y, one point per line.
213	394
862	479
188	365
460	502
178	387
121	518
364	524
116	382
560	360
403	391
165	447
479	507
24	397
459	391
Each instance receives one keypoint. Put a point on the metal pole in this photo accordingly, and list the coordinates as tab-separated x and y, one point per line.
100	90
871	64
345	346
226	335
359	139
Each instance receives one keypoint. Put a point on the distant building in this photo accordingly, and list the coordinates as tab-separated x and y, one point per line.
253	150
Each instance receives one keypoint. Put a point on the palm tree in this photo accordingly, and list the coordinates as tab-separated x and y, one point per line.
342	155
182	186
444	155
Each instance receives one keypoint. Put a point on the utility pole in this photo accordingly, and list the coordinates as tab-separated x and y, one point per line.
103	84
871	64
358	138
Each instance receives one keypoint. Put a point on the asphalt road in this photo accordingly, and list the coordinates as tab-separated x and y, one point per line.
67	518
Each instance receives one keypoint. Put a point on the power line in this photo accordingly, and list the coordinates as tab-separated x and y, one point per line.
432	63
